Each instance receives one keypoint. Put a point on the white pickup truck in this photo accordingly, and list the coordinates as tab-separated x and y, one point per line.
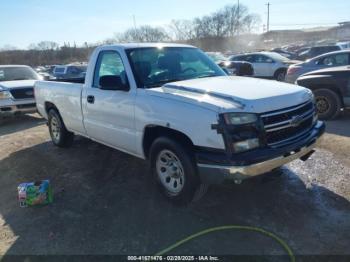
172	105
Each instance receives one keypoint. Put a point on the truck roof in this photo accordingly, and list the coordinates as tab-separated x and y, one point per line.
145	45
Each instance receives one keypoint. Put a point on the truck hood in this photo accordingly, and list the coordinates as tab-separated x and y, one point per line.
17	84
238	93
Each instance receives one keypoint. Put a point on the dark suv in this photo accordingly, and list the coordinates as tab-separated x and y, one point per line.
331	88
317	50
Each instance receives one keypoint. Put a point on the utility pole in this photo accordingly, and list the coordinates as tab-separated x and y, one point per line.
268	17
134	19
238	17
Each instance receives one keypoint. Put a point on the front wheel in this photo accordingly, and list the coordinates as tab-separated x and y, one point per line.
60	136
174	169
328	104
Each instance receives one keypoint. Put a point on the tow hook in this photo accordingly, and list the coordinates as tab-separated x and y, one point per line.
307	156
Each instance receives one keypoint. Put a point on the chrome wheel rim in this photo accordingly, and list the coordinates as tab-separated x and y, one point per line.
55	129
170	172
322	105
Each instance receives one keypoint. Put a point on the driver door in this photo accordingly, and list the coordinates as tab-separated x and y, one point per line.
109	114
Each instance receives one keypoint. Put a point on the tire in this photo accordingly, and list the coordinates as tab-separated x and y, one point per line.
280	75
60	136
174	170
328	104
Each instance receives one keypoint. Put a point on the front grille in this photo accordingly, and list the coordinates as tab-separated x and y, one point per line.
288	125
26	106
23	93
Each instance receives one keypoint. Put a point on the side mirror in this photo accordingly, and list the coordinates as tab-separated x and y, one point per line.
113	83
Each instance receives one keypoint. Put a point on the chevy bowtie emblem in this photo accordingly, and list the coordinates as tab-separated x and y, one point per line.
296	121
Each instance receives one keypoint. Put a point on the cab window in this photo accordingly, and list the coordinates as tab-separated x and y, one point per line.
109	63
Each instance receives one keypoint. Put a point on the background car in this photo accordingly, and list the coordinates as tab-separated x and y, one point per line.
344	45
69	71
238	68
339	58
331	87
285	53
266	64
17	89
317	50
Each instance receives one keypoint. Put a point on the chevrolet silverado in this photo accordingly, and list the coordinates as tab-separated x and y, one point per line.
172	105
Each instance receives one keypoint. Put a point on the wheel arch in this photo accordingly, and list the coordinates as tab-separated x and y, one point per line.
152	132
49	106
281	69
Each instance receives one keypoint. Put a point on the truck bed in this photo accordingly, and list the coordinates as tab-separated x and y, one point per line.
70	80
65	94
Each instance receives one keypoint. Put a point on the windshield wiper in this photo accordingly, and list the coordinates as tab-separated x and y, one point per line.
162	82
17	79
204	76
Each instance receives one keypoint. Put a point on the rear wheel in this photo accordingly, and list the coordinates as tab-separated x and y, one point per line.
174	169
328	104
280	75
60	136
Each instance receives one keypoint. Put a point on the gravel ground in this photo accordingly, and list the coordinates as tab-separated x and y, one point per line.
105	202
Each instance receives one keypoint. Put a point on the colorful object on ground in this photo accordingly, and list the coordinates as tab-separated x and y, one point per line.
35	193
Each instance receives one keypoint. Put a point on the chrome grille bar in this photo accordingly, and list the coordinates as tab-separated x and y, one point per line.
289	124
286	124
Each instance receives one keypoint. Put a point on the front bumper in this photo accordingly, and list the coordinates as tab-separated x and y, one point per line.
14	107
217	174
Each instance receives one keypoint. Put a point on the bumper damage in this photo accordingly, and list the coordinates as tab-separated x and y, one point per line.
217	174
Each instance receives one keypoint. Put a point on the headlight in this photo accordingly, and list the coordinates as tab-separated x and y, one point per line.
5	94
246	145
240	118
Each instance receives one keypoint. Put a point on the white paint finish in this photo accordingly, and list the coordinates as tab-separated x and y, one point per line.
257	95
66	97
17	84
192	120
118	119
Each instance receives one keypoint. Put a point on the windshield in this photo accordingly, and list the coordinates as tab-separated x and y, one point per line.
217	57
154	67
17	73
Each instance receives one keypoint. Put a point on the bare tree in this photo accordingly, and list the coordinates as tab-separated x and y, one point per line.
182	30
143	34
44	45
8	48
227	22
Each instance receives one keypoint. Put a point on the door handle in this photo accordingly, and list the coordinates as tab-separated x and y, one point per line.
90	99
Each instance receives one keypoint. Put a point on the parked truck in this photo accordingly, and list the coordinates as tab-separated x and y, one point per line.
17	89
172	105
